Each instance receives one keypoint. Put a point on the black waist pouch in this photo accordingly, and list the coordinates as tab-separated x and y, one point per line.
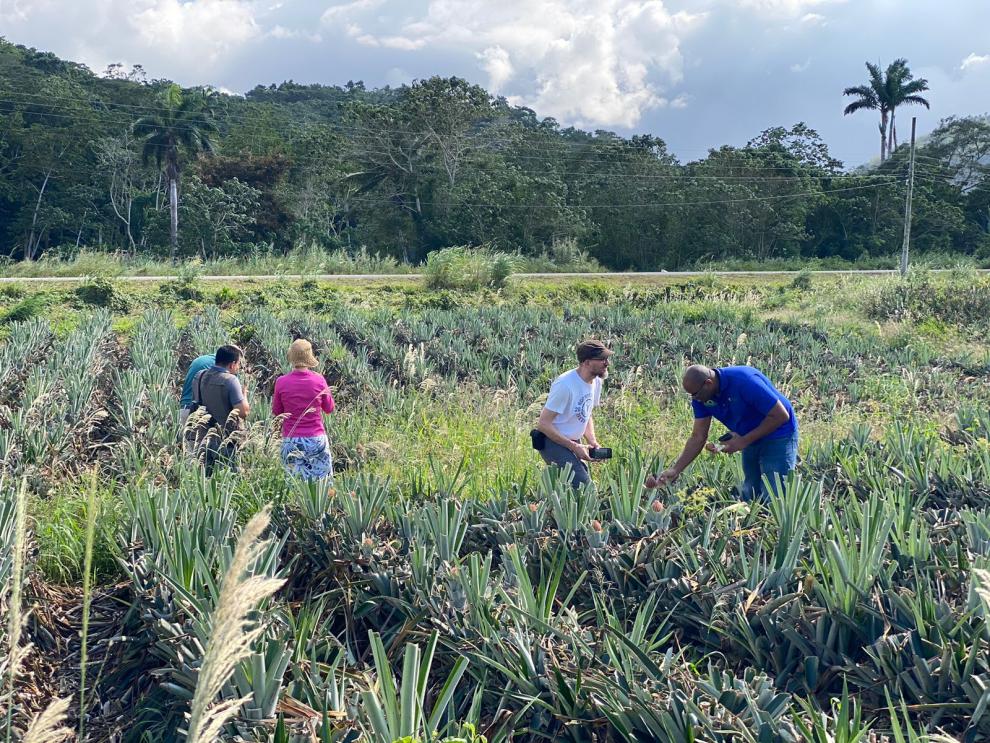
539	439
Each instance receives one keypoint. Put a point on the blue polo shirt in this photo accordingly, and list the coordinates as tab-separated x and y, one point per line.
198	364
744	399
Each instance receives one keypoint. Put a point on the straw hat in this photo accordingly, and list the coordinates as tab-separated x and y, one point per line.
301	354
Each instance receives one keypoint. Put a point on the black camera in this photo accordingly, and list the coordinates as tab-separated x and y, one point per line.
599	452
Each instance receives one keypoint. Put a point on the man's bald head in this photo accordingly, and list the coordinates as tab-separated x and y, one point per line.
694	377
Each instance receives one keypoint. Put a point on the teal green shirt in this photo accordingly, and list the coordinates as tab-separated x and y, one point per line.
198	364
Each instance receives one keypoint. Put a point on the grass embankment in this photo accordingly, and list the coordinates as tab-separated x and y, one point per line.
298	261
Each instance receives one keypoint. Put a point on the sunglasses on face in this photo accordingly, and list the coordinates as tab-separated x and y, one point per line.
696	396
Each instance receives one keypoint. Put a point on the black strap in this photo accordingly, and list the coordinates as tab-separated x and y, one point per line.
199	389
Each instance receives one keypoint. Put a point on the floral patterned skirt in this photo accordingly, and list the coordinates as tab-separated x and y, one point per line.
307	457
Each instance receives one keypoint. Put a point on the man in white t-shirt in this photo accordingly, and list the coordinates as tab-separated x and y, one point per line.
567	415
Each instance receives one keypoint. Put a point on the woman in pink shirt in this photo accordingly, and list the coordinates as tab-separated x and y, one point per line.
300	396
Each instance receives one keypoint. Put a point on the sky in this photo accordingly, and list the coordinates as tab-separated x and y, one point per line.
697	73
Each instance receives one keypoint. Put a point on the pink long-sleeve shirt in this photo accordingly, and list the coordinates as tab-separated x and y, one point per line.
302	394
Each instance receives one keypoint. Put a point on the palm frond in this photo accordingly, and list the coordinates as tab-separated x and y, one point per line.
877	82
916	99
915	86
864	91
860	104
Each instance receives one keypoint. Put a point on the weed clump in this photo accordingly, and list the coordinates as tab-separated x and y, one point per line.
468	269
802	282
960	299
101	291
28	308
187	283
11	291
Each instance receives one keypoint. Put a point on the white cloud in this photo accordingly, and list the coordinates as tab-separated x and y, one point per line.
787	8
974	60
800	67
331	14
12	11
397	76
198	31
496	62
585	62
813	19
281	32
401	42
191	41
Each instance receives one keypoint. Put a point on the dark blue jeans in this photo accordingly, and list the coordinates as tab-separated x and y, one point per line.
555	454
768	457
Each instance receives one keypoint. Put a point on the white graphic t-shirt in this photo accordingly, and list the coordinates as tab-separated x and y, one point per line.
573	399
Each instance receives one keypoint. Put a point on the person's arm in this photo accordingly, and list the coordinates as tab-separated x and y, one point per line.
277	405
187	384
327	401
589	433
692	448
238	398
777	417
546	426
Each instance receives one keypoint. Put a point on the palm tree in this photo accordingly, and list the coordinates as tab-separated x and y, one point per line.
872	96
184	122
902	88
884	92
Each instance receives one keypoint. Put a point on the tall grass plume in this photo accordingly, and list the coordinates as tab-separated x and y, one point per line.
15	619
47	727
233	633
91	513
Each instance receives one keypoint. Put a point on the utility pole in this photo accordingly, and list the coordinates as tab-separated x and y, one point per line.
907	205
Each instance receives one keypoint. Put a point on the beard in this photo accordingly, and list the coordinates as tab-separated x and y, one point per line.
604	374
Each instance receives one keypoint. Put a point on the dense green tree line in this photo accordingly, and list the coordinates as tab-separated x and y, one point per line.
117	162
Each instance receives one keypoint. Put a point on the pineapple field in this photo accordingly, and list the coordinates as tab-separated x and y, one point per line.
446	586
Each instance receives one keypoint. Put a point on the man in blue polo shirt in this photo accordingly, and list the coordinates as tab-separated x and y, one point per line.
761	424
186	401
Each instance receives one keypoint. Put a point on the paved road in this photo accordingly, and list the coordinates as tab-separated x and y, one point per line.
412	276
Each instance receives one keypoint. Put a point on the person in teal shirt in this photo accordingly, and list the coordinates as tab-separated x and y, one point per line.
186	401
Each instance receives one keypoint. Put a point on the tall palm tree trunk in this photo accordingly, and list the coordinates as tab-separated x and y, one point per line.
172	170
883	136
173	207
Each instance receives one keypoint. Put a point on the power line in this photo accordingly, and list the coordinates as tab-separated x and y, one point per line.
640	205
682	176
229	116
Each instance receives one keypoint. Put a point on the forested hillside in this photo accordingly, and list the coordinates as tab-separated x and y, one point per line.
86	160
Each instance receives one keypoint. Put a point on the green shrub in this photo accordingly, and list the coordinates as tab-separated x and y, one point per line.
802	281
563	256
467	268
31	306
186	284
12	291
225	295
961	299
100	291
